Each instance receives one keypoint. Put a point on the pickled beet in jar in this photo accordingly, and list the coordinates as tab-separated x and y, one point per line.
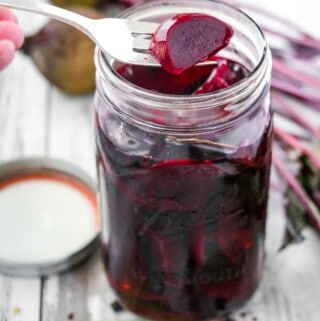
184	164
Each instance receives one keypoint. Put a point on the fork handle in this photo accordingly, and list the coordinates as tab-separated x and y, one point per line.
76	20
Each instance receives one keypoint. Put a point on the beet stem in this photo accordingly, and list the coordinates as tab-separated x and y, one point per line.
284	105
310	207
297	145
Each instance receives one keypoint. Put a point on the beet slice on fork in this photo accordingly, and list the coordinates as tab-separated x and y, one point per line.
184	40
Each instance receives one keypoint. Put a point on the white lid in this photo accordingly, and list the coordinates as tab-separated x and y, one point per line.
48	216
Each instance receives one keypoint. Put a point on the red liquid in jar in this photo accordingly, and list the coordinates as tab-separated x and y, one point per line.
187	221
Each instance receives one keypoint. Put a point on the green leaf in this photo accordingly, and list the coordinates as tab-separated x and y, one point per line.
297	219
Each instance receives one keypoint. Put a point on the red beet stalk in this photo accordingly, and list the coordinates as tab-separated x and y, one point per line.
307	203
297	145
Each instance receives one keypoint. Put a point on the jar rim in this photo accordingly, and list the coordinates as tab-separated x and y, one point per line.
187	101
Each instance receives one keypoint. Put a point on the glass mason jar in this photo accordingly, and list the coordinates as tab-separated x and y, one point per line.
184	180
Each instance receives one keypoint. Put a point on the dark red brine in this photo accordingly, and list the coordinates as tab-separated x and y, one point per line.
184	175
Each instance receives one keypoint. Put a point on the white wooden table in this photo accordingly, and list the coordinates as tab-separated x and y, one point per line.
38	120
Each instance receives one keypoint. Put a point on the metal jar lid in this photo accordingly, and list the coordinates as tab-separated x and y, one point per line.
49	219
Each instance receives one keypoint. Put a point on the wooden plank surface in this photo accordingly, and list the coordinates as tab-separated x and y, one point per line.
70	130
37	120
22	134
19	299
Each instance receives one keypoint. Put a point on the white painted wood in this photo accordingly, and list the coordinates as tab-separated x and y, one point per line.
303	13
22	134
21	298
70	130
36	119
22	110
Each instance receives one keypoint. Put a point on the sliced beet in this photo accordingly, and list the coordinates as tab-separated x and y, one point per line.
159	80
186	39
223	75
215	81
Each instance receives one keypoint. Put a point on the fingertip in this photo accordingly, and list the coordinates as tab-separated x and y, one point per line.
19	38
7	15
7	49
11	31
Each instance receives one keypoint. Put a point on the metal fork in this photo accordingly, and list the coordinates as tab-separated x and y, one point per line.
125	40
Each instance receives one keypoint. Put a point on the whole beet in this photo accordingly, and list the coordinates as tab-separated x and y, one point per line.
64	55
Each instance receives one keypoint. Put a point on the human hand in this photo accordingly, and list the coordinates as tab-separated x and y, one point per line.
11	36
